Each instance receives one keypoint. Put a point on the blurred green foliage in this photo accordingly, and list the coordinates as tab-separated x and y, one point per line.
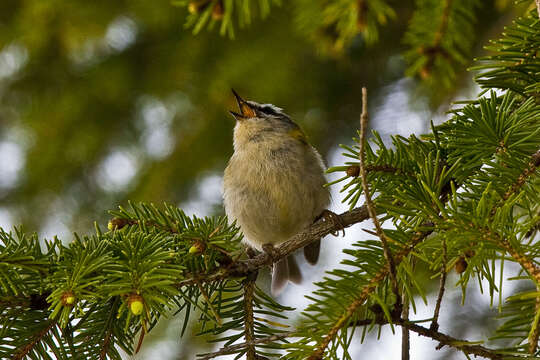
108	101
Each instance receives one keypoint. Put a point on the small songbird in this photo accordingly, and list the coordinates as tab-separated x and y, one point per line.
273	184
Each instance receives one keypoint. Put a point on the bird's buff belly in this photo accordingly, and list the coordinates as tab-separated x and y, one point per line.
269	215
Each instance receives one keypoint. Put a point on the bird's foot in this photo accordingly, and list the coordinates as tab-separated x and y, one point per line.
328	215
271	251
251	252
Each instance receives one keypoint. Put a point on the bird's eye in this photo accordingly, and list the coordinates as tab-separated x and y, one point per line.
268	110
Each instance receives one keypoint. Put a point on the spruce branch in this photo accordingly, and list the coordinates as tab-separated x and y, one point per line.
375	281
34	341
369	202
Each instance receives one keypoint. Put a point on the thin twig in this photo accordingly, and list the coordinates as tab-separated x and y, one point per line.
405	336
369	202
538	7
443	339
249	330
375	281
435	322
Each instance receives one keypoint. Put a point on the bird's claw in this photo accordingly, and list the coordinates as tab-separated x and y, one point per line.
328	215
271	251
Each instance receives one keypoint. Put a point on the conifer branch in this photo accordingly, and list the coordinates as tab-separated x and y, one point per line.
369	202
528	171
435	49
22	352
367	290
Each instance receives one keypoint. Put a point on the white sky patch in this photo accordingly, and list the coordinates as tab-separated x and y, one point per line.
157	119
12	159
6	219
394	115
207	194
121	33
12	59
117	170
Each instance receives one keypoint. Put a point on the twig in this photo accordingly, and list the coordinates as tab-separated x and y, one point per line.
446	340
234	348
369	202
435	322
443	339
538	7
367	290
405	336
249	288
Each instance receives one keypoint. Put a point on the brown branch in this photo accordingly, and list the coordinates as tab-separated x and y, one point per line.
369	202
446	340
22	352
435	321
405	336
315	232
249	289
366	290
443	339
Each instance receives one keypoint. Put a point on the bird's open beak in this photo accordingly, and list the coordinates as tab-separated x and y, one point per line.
245	109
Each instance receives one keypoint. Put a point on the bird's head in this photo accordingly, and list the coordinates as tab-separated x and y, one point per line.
251	110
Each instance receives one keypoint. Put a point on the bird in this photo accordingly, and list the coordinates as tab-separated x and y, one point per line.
273	185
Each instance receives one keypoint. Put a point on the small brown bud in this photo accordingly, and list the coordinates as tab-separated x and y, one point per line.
217	11
196	6
136	304
117	223
461	265
198	247
469	253
353	170
68	298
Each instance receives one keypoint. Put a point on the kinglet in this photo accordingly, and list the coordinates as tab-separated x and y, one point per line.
273	184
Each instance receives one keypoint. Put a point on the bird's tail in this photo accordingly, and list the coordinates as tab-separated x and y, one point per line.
284	270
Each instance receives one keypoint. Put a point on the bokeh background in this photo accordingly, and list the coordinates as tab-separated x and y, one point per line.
103	101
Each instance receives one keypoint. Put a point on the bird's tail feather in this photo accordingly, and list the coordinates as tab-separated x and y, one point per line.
284	270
